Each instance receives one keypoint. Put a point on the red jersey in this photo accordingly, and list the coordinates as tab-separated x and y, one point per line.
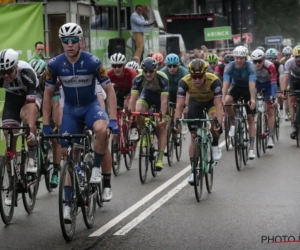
124	82
219	71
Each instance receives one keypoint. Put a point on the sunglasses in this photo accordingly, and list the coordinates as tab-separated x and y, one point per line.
172	66
6	72
72	40
297	57
150	71
287	55
117	66
257	61
212	63
197	76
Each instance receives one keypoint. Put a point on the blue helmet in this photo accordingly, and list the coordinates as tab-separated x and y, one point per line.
172	59
149	63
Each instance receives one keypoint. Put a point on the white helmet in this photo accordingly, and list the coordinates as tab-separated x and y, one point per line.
117	58
257	54
70	29
133	65
8	59
39	66
287	50
240	51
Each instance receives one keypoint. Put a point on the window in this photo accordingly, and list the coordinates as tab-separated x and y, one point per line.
123	18
104	18
84	22
55	21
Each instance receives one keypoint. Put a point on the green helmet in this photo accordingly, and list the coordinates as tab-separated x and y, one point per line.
39	66
212	58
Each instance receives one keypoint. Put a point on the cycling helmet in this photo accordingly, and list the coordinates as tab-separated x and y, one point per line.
271	53
39	66
228	58
257	54
158	57
287	50
70	29
172	59
261	48
149	63
240	51
197	66
8	59
212	58
117	58
133	65
296	50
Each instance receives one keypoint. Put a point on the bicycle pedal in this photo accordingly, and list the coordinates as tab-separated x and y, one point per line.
158	169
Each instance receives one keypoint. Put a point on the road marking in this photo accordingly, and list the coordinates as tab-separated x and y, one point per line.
141	202
124	230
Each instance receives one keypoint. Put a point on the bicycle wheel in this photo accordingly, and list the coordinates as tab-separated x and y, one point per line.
245	142
47	169
31	184
8	187
209	170
67	177
238	149
259	134
265	129
39	158
170	143
197	170
177	138
116	157
88	207
144	153
297	122
131	146
153	152
277	123
226	128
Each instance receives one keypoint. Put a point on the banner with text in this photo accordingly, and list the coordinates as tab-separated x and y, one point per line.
21	27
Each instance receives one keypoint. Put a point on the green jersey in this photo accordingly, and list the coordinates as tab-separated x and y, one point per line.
174	79
36	57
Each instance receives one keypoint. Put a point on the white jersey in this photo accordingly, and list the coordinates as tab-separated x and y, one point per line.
290	66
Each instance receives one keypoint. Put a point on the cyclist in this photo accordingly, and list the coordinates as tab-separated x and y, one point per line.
266	78
228	59
77	71
39	66
133	65
22	101
205	93
160	60
154	87
212	59
240	76
292	73
219	69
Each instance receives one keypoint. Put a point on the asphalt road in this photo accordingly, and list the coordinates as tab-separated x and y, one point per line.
249	209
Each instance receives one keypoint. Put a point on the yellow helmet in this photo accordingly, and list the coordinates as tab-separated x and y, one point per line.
197	66
296	50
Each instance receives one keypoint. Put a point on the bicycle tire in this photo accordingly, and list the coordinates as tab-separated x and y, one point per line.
226	128
297	123
153	153
245	143
265	128
259	134
197	170
170	143
7	218
209	175
39	157
238	150
178	144
131	146
116	161
29	195
277	124
47	169
67	234
89	199
143	174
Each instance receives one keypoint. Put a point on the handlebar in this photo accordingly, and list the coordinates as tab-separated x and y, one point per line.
146	114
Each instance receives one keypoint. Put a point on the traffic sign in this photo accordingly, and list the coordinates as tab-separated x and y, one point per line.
273	40
247	38
217	33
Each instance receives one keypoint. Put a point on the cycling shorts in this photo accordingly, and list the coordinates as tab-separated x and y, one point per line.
294	85
148	98
237	92
267	90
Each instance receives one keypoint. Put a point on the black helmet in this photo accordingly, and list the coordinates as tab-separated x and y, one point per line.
149	63
197	66
228	58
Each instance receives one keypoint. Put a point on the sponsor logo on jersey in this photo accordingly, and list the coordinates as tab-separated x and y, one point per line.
65	71
81	70
95	59
217	89
77	81
27	78
102	71
52	60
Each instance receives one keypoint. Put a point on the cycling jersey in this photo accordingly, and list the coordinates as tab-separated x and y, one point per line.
124	82
78	79
240	77
212	88
219	71
267	74
290	66
277	65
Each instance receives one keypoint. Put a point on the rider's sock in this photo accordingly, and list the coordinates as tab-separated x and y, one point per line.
271	132
160	155
251	143
32	152
215	141
106	180
192	162
68	193
98	159
56	168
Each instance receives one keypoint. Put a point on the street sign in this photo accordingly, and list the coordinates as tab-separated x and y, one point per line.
217	33
273	40
247	38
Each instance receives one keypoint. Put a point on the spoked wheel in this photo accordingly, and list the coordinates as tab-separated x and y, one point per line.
47	169
153	153
197	170
245	142
177	138
170	144
226	128
265	138
88	207
116	157
8	189
144	155
238	149
259	134
277	124
67	196
31	187
209	174
131	146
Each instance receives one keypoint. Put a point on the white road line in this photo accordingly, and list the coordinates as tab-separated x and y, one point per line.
141	202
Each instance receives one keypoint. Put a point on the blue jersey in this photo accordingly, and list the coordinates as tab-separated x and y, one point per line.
79	79
240	77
